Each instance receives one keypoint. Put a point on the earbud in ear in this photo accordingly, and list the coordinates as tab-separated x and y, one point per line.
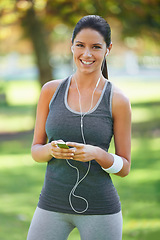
72	49
107	52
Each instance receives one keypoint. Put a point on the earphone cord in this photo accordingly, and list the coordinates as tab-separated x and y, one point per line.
78	181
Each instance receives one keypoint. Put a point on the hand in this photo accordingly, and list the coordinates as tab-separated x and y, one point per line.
83	152
60	153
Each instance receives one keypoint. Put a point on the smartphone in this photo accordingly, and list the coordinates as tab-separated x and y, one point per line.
62	145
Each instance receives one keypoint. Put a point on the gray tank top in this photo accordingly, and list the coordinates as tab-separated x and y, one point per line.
97	188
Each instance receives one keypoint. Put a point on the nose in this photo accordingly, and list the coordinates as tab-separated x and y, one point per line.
87	53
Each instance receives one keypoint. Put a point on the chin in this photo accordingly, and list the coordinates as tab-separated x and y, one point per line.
86	70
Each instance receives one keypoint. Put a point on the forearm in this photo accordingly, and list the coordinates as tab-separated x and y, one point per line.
41	153
105	160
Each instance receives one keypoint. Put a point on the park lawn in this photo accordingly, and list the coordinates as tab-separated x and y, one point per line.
18	114
22	178
140	91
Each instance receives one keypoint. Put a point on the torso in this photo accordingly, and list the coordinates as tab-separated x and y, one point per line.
64	123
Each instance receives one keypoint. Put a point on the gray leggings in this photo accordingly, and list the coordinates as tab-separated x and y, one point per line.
47	225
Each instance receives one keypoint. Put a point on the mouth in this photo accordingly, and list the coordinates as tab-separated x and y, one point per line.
87	63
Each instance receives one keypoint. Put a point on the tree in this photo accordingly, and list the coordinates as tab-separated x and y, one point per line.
39	17
136	16
36	32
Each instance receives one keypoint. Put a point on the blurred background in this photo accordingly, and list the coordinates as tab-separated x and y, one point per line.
35	38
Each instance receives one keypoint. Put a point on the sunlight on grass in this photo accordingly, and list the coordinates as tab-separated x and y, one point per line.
145	229
27	92
142	224
17	122
140	91
17	160
141	175
145	114
141	207
153	144
22	92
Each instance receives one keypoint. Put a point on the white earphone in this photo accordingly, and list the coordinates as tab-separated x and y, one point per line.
79	180
107	52
72	49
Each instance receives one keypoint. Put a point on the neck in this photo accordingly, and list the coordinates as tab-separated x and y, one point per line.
87	80
82	115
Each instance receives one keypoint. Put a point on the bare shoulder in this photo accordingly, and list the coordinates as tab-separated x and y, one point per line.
47	91
49	88
120	101
119	97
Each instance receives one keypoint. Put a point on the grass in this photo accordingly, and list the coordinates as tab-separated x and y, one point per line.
140	91
21	178
17	118
22	92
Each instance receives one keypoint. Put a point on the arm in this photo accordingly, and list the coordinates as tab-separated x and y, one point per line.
122	130
41	151
121	111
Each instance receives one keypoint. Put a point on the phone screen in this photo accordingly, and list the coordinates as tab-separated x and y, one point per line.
62	145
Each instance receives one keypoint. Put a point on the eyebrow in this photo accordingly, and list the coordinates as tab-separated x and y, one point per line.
79	42
97	44
92	44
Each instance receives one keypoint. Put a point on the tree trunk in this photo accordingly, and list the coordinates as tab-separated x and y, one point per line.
34	28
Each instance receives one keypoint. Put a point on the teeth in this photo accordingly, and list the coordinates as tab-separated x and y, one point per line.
87	63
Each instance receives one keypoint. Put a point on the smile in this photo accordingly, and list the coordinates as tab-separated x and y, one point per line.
86	63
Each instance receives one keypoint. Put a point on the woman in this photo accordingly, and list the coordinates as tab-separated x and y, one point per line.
84	111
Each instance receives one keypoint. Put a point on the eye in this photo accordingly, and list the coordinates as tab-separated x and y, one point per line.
97	47
79	45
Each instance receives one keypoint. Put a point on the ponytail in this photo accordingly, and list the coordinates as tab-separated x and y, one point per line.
104	68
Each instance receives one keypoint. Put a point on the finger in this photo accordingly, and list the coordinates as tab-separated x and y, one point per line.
53	155
60	141
60	155
73	144
79	156
62	152
54	143
65	150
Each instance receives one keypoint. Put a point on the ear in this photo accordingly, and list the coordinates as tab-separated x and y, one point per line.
107	52
72	49
108	49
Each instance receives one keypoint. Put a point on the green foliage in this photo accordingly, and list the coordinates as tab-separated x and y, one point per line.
136	16
39	17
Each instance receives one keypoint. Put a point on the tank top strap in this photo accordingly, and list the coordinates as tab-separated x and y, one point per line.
61	88
106	102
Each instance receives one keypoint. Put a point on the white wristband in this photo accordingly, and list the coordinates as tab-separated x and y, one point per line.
116	166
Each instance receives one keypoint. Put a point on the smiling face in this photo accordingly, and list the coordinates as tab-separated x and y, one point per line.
89	49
